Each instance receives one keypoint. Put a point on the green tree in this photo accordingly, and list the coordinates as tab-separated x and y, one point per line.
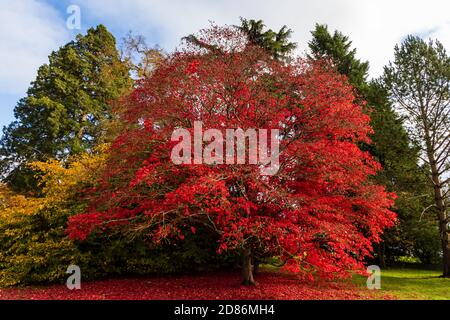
419	82
276	43
391	146
65	107
338	48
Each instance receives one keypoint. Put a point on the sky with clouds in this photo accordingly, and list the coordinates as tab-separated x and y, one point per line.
31	29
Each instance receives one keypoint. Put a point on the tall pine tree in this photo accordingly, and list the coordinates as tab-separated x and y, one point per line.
66	106
419	82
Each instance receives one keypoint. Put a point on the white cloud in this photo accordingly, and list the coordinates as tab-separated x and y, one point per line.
374	26
30	30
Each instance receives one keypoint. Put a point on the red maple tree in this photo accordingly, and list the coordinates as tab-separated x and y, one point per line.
318	215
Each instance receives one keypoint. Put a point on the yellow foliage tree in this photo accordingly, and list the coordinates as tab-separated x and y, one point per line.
33	243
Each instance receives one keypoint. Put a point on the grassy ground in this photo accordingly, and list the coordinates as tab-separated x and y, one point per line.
413	284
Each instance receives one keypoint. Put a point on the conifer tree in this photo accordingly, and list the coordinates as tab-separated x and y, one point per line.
276	43
66	105
419	82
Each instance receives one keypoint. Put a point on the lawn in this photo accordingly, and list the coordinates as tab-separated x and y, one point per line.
412	284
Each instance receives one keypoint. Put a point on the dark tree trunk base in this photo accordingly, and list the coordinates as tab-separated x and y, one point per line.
249	283
445	238
247	268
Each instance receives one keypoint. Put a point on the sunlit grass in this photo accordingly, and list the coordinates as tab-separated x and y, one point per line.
412	284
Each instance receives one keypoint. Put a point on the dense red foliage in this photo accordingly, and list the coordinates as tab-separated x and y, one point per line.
223	286
319	213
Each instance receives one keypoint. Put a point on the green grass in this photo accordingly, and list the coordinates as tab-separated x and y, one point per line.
412	284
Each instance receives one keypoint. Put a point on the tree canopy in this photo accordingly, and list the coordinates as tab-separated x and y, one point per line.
320	213
66	105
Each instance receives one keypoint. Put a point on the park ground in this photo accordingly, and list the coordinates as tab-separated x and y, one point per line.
396	283
409	283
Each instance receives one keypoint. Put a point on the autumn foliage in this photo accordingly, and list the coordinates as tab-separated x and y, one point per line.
319	215
34	247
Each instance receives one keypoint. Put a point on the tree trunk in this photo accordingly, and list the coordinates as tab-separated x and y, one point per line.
256	264
440	205
445	238
247	268
442	218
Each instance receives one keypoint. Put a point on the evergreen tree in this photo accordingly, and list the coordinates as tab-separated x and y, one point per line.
65	106
337	48
419	82
276	43
390	145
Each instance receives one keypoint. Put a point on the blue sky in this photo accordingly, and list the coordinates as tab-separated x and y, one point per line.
31	29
